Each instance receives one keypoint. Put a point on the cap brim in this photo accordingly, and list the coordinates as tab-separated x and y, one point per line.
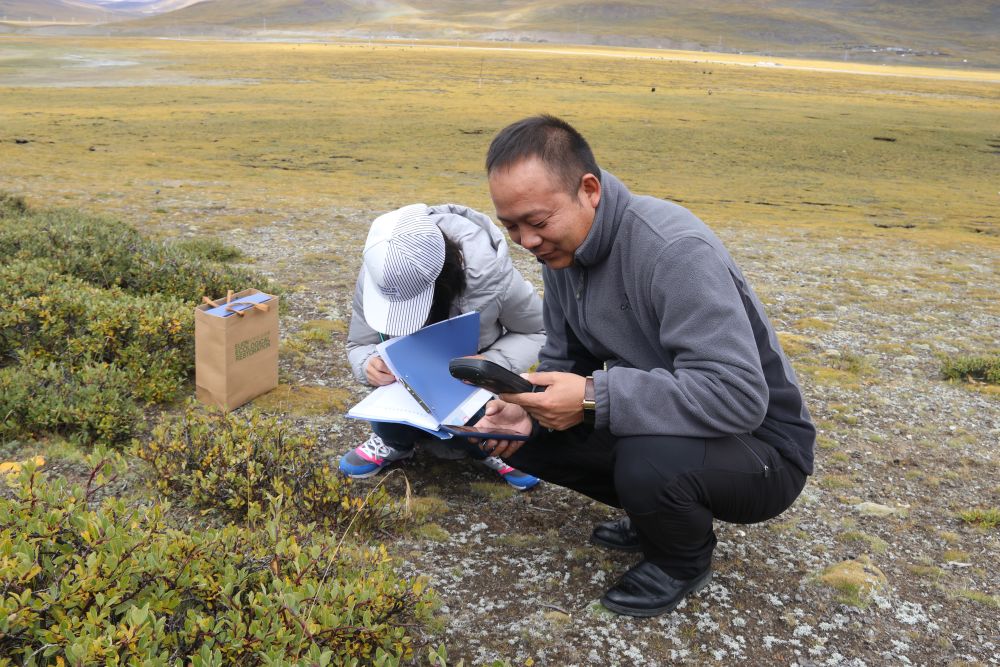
395	318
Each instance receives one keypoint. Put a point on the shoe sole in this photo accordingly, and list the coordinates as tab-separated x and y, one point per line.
522	488
363	475
656	611
366	475
616	546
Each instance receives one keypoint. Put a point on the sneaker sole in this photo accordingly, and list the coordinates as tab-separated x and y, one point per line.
363	475
696	586
523	488
372	473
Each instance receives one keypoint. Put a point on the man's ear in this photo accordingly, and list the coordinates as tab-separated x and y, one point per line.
590	189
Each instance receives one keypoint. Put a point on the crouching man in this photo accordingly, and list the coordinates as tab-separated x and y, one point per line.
666	391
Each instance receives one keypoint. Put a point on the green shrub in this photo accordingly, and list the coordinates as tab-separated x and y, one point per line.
92	403
108	253
234	461
77	360
96	320
983	368
984	517
12	205
87	582
210	249
58	318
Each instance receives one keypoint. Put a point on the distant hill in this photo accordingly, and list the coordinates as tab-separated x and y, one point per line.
143	7
875	30
53	11
276	13
84	11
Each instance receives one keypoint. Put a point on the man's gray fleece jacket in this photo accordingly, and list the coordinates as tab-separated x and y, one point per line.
655	295
510	310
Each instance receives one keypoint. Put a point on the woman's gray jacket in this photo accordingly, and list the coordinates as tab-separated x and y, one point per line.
510	311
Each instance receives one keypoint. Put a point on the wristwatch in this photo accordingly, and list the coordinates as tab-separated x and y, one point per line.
589	401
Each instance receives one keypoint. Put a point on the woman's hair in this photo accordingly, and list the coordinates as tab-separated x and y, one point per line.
450	282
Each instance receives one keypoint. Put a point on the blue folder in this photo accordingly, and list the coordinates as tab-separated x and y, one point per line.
421	360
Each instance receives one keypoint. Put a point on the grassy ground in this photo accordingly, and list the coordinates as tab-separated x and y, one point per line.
861	206
259	131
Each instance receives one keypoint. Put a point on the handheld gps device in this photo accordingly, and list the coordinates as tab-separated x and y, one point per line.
490	376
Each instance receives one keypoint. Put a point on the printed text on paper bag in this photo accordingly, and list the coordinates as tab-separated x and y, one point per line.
251	346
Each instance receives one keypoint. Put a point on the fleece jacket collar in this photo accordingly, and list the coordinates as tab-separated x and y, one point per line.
615	198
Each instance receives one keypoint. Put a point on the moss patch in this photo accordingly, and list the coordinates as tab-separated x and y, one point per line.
492	490
433	532
979	597
330	326
813	323
795	345
424	507
304	401
872	542
855	581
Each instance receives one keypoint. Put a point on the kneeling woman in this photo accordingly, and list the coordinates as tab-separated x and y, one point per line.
423	265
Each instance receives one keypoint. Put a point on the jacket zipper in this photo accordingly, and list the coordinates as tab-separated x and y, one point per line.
767	469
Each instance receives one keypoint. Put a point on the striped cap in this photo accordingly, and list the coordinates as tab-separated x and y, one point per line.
403	257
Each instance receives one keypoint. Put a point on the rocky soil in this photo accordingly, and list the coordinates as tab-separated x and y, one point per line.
872	565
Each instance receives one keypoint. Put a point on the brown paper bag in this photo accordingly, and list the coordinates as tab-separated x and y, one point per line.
235	349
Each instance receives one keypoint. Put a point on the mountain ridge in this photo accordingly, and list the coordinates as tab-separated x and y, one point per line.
883	31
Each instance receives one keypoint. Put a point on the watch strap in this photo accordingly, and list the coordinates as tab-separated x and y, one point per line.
589	401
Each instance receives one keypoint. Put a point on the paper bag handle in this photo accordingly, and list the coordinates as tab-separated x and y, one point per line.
229	297
259	306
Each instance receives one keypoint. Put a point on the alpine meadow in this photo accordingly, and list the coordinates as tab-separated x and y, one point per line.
138	174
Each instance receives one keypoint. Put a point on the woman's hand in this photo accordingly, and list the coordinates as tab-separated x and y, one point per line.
377	372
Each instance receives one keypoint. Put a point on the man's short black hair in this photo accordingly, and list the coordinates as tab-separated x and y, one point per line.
554	141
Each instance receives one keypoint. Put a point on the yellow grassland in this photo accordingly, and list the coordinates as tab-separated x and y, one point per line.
228	134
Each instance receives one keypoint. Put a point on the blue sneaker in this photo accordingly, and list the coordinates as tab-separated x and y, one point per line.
370	457
521	481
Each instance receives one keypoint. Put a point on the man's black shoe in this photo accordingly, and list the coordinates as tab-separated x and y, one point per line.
618	535
646	590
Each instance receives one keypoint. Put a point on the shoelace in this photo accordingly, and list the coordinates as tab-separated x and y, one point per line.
496	463
374	447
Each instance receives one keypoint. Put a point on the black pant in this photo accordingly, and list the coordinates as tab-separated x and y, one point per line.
671	487
404	437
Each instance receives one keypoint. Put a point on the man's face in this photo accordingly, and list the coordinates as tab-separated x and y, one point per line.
539	214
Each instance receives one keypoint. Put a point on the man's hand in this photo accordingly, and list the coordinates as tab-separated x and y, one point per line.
560	406
377	372
501	416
